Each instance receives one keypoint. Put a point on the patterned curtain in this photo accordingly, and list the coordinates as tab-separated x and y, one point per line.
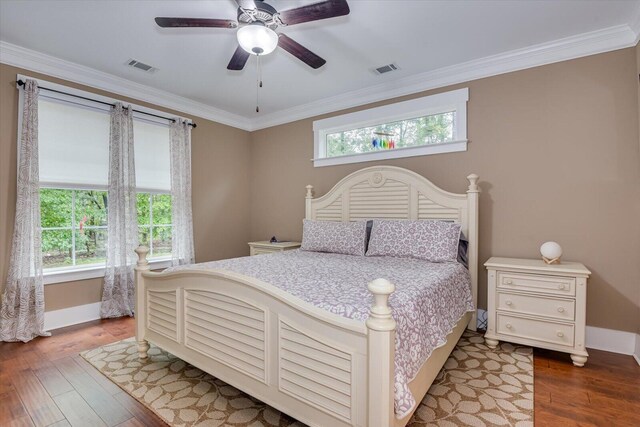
182	251
122	224
22	312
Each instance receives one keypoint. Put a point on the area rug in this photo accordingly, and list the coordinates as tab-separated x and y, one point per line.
476	387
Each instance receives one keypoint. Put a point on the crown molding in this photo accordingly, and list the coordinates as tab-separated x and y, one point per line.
591	43
32	60
572	47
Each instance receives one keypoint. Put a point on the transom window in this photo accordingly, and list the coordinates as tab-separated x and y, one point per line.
429	125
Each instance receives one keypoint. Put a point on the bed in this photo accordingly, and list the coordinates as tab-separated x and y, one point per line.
312	363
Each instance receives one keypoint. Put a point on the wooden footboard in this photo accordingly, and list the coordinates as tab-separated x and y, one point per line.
321	368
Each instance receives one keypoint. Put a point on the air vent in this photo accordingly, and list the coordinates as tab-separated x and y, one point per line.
141	66
386	68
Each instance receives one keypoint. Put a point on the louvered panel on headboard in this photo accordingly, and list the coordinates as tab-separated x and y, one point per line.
390	201
428	209
331	212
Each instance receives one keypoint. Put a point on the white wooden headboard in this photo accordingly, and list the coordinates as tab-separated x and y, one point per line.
395	193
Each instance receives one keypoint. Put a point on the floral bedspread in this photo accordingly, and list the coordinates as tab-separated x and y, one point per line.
429	299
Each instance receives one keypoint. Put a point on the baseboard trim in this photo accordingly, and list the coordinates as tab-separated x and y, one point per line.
71	316
621	342
611	340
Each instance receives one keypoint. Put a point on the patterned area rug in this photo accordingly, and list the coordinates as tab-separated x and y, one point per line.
476	387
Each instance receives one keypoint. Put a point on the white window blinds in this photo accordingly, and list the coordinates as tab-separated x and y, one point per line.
74	148
151	145
74	145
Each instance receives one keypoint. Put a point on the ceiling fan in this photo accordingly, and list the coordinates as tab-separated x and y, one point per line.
258	21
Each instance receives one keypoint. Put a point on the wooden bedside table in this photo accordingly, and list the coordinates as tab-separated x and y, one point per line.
536	304
266	247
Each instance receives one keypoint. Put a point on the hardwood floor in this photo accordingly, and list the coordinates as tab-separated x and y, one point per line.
46	383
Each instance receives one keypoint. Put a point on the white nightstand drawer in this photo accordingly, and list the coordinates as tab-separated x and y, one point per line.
550	332
558	308
262	251
537	283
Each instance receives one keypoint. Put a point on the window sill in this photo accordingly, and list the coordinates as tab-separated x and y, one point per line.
92	271
422	150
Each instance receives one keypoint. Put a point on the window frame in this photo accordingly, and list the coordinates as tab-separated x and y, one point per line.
86	271
452	101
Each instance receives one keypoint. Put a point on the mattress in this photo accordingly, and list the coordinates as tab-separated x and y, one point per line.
429	300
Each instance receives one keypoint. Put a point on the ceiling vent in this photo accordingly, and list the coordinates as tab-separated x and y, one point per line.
386	68
141	66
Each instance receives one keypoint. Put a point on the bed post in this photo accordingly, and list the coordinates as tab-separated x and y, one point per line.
381	350
308	199
141	266
473	194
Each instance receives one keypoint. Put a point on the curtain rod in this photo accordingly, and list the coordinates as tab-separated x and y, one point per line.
22	83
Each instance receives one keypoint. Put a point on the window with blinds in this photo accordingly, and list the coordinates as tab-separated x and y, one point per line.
74	172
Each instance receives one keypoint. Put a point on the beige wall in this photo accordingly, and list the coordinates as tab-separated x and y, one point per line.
638	81
556	147
220	167
557	151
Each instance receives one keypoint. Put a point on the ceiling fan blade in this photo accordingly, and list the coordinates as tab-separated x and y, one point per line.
300	52
238	60
246	4
195	22
315	12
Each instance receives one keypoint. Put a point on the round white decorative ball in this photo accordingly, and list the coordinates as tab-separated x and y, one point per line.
551	250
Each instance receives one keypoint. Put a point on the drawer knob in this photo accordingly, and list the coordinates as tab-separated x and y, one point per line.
509	282
561	286
509	303
560	309
560	334
508	326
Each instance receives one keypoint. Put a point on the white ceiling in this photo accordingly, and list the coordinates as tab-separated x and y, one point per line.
419	36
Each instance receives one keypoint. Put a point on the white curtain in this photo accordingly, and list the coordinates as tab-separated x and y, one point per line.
182	251
22	312
122	224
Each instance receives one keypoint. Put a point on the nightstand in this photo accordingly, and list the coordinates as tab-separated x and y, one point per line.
266	247
536	304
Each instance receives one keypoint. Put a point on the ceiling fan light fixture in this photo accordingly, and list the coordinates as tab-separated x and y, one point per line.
257	39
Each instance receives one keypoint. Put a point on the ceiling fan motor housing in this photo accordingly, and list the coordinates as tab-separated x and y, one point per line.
263	12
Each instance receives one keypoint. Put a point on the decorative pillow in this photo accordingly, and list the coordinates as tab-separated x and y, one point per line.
336	237
435	241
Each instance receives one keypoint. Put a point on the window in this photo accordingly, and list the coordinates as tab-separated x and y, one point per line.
154	223
73	156
74	226
428	125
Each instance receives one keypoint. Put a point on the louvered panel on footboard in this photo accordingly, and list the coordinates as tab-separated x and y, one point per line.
161	313
314	372
228	330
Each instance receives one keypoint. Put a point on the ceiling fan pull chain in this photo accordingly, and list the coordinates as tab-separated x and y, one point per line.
258	83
